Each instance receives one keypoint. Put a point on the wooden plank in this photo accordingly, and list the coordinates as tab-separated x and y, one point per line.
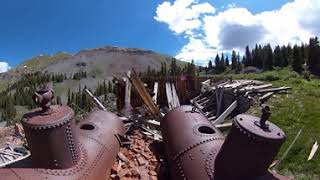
266	96
273	89
288	150
139	86
169	96
225	125
155	91
253	88
198	107
226	113
175	95
313	150
127	89
219	97
95	100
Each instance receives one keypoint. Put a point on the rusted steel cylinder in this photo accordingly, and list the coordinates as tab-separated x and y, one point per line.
248	149
191	144
98	148
51	137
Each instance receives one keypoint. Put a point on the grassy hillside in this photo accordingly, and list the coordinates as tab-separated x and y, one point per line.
38	63
300	109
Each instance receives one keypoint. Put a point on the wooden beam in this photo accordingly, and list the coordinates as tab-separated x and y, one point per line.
175	95
313	150
95	100
288	150
127	89
226	113
273	89
139	86
266	96
169	96
225	125
155	91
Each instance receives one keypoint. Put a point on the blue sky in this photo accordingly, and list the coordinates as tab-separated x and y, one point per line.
33	27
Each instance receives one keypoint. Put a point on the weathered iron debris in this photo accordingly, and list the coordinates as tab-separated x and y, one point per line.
194	147
60	149
173	142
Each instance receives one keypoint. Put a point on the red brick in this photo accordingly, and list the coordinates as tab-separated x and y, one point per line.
141	161
153	173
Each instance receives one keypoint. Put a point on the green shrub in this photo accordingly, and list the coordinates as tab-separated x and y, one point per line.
306	75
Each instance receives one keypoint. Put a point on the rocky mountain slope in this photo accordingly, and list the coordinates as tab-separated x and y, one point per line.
99	63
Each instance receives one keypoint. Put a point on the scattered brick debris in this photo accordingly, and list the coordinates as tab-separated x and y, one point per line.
142	160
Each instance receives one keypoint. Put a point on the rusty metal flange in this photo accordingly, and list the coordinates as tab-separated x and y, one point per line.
37	120
246	124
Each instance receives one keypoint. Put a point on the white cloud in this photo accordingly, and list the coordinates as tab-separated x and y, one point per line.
236	27
4	67
183	15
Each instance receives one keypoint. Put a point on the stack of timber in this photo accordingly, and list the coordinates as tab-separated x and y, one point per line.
223	99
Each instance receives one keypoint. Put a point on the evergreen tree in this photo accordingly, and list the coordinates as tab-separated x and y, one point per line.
227	61
297	59
217	63
277	57
210	66
234	60
248	58
268	57
313	62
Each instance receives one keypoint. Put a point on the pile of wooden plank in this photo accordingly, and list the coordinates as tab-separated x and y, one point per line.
227	98
10	154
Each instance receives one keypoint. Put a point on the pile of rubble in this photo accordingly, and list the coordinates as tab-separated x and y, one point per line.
220	100
143	159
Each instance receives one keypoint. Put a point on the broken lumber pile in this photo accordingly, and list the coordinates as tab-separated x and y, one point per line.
222	99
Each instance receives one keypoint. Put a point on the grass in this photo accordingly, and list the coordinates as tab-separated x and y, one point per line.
39	62
300	109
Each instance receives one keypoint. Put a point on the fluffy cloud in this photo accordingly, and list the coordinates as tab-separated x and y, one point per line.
4	67
209	32
183	16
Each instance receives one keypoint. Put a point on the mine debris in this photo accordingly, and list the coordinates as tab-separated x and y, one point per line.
11	154
141	160
139	86
223	99
313	150
62	149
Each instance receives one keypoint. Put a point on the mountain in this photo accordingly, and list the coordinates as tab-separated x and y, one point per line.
99	63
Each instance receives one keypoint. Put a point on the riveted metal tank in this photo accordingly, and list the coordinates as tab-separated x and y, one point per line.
51	137
191	143
61	149
248	149
195	149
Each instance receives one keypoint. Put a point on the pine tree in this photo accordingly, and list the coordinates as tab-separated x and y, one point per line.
210	66
227	61
268	58
233	60
313	62
277	57
248	58
297	59
217	63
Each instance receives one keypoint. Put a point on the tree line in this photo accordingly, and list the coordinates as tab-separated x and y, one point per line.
20	92
173	69
299	57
